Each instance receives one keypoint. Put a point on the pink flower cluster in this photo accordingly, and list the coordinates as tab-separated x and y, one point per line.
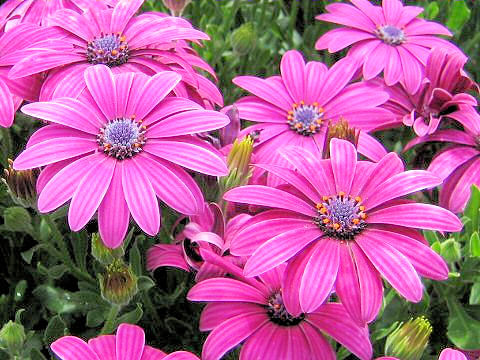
127	117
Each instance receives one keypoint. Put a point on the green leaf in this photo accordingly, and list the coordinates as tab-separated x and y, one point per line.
27	255
471	210
134	258
432	10
459	15
131	317
57	271
18	219
56	328
475	245
20	290
475	294
80	248
145	283
95	317
56	300
431	236
35	354
463	330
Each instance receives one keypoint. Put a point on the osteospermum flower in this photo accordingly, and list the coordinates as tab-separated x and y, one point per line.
127	343
443	94
147	43
253	312
297	107
389	38
207	231
346	225
105	150
459	163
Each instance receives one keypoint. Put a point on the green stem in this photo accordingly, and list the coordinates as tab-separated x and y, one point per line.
147	302
109	324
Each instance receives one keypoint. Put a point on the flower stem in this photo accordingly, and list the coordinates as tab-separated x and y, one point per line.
109	325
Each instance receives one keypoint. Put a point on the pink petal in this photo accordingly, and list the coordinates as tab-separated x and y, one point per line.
254	109
424	216
265	90
169	106
7	110
320	274
101	84
90	191
150	353
279	249
347	15
343	157
375	13
393	67
292	68
376	61
314	73
104	347
422	27
412	70
444	163
334	320
73	22
461	191
189	152
130	341
451	354
370	147
180	355
50	151
271	197
217	312
43	61
276	348
224	289
123	84
166	255
123	13
65	81
393	266
140	197
318	343
73	348
392	9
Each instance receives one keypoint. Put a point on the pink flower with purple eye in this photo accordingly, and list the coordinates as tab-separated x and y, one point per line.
147	43
389	38
252	312
443	94
347	220
459	163
105	150
127	343
205	232
297	107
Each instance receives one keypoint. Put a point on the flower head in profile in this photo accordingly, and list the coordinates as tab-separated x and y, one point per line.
127	343
205	232
105	150
297	107
252	312
443	94
458	164
348	221
389	38
116	37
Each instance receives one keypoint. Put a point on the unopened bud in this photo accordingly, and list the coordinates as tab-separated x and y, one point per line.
118	284
244	39
103	254
21	185
409	340
176	6
450	250
340	130
229	133
12	337
238	161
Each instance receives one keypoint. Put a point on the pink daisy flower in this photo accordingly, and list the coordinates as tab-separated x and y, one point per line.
459	163
127	344
350	224
147	43
105	150
207	231
447	354
443	94
252	311
389	38
296	107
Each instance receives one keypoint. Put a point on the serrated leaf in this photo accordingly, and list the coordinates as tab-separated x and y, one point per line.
56	328
131	317
145	283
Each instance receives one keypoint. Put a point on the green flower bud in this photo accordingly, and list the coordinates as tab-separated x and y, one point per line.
21	185
244	39
118	284
103	254
451	251
238	161
176	6
340	130
409	340
12	337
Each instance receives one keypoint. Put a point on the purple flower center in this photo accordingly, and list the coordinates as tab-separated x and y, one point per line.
278	313
391	35
111	50
122	137
305	119
341	216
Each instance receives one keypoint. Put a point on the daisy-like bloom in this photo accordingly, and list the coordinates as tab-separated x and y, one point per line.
389	38
253	311
127	344
447	354
297	107
147	43
345	224
459	163
106	150
443	94
207	231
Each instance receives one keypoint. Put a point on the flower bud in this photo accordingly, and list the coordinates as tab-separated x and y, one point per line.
244	39
103	254
118	284
21	185
238	161
450	250
340	130
176	6
12	337
229	133
409	340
